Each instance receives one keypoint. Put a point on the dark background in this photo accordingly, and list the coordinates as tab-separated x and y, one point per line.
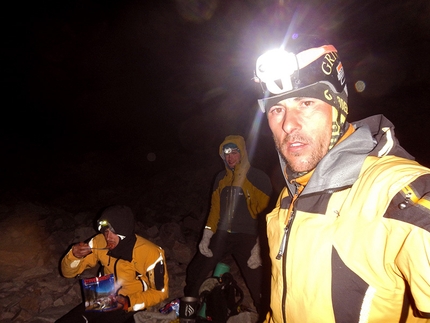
107	91
126	102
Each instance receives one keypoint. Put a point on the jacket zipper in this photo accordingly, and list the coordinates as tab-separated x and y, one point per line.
283	258
230	204
291	213
284	243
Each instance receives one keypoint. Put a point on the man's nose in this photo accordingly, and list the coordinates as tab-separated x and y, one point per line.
291	121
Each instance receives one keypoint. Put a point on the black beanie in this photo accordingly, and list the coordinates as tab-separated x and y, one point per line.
121	218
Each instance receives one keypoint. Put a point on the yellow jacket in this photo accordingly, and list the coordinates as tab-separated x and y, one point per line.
354	245
144	280
239	194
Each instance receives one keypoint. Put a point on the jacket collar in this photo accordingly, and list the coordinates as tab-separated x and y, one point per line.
342	164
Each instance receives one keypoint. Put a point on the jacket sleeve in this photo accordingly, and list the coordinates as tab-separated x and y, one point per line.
151	263
258	189
214	213
258	202
72	266
413	259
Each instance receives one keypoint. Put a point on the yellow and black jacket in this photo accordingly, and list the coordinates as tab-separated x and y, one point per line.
239	194
144	279
350	242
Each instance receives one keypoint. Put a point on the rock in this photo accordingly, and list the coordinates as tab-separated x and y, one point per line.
38	231
152	232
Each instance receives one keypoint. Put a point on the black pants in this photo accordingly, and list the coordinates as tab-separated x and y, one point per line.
222	243
78	315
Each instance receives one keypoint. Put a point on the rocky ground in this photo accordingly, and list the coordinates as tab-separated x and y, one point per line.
40	222
32	289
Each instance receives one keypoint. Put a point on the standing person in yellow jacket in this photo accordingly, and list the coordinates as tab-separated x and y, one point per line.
350	235
138	265
240	194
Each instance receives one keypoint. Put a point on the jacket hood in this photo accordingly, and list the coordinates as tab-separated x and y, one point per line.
382	132
240	143
121	218
373	136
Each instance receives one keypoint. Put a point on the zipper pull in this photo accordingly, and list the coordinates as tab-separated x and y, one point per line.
285	237
282	247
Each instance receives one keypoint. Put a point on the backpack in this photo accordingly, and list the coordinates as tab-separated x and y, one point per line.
222	298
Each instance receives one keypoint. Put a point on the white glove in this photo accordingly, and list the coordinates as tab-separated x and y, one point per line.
204	244
254	260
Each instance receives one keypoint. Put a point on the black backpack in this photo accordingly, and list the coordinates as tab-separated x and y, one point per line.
222	297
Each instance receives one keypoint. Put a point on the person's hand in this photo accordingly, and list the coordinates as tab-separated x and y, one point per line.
124	301
204	243
80	250
254	260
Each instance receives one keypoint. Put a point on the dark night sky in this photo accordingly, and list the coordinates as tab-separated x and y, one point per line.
81	76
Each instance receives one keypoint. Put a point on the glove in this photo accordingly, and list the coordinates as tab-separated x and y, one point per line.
124	301
204	243
254	260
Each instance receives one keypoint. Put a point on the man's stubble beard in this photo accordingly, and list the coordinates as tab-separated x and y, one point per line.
306	165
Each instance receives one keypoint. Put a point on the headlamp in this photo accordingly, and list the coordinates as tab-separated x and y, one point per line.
274	70
230	150
103	225
281	74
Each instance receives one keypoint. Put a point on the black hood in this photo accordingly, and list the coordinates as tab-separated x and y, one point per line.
121	218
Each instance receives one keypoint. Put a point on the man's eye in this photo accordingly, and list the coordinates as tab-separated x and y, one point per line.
307	103
276	110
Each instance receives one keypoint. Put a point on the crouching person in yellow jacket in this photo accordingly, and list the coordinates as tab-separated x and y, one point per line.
138	266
